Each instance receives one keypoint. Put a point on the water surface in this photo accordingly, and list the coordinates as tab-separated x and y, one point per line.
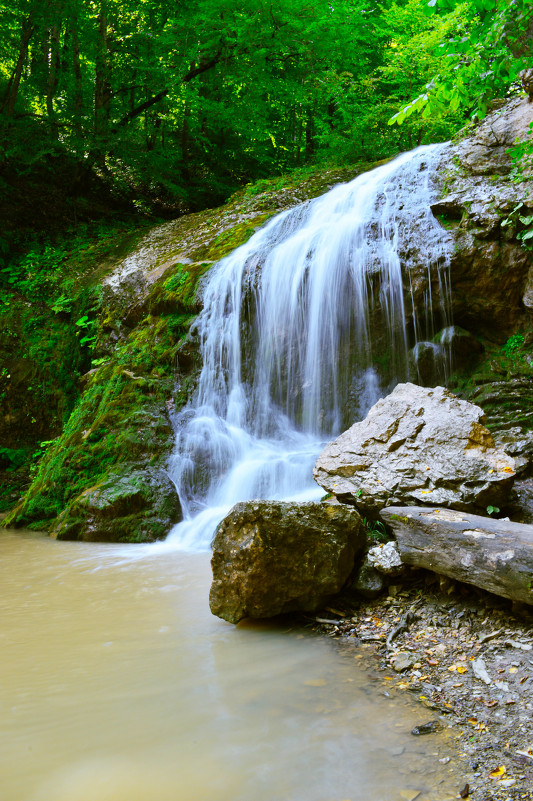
117	684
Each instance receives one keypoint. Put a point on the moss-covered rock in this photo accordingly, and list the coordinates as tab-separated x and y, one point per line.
124	506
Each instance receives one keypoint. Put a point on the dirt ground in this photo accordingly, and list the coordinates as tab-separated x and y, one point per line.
467	657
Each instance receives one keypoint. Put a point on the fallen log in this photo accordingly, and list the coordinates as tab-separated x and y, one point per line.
495	555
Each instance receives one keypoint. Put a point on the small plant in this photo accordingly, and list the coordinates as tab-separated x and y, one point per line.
14	457
86	325
375	530
525	235
513	344
492	510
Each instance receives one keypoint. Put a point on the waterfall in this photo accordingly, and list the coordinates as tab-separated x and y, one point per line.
303	328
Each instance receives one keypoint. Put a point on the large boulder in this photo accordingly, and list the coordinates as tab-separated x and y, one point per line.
271	557
418	445
496	555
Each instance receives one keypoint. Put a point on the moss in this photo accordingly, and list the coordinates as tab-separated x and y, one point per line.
235	236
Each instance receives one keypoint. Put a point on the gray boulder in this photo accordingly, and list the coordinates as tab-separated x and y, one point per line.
418	445
273	557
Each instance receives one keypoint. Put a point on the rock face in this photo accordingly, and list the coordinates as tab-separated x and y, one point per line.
272	557
492	554
418	445
133	507
489	267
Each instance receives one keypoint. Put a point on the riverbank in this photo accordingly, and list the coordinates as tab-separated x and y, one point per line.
467	657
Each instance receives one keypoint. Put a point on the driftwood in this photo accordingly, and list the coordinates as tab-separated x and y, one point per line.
495	555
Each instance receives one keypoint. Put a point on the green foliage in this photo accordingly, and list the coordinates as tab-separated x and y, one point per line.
482	58
375	530
15	457
178	106
513	344
522	223
492	510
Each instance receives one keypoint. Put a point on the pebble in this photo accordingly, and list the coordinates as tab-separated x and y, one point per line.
402	661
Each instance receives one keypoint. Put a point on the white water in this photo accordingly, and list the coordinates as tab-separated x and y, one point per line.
303	328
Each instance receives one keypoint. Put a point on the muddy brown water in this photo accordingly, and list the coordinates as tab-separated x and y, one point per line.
117	684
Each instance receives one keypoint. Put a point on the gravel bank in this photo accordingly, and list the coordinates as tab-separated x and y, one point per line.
467	657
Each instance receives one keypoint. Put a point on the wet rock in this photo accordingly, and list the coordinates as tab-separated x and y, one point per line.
386	559
426	364
463	348
507	402
418	445
273	557
495	555
521	507
367	583
427	728
136	506
487	152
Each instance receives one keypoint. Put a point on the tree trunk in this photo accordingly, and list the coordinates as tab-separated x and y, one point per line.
14	82
102	83
53	74
310	134
495	555
76	68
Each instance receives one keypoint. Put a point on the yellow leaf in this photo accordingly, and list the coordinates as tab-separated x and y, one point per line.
508	470
462	669
498	772
513	670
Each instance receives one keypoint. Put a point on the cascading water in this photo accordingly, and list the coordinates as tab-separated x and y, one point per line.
303	328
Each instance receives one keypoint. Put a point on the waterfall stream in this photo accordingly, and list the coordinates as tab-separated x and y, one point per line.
303	329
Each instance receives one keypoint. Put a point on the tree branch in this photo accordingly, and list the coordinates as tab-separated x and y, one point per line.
204	66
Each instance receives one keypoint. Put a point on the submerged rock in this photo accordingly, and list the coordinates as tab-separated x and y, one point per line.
415	446
271	557
135	506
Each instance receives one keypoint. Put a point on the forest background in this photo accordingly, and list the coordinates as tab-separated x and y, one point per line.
115	114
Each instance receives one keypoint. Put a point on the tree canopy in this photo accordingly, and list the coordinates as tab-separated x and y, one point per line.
187	100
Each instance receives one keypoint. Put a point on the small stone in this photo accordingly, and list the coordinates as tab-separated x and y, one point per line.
426	728
410	795
402	661
386	559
